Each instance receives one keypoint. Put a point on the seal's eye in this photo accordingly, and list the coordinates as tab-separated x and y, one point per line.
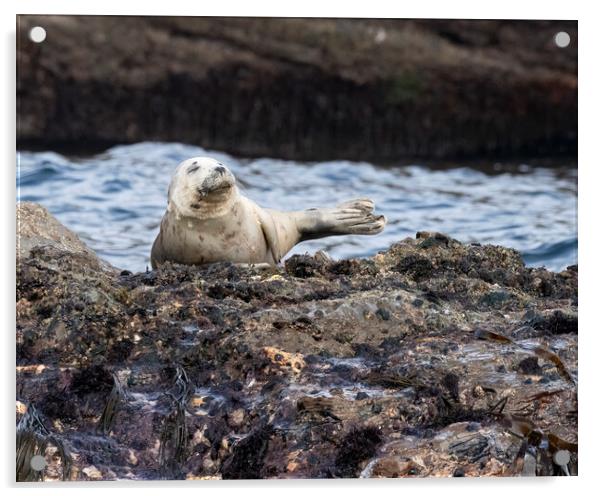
192	169
220	170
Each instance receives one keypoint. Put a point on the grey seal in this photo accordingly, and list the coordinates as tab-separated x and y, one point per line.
208	220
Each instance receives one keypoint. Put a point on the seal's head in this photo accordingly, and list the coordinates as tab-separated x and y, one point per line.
202	187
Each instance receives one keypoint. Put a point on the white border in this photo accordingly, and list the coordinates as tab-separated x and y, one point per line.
458	9
590	209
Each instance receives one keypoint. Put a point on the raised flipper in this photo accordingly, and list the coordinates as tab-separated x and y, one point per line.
350	217
283	230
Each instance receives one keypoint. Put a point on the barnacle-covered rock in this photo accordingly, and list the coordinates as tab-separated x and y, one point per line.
402	364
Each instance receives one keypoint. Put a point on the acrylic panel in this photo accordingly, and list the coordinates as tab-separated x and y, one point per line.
258	248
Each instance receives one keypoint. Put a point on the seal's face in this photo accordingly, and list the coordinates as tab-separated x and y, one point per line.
202	187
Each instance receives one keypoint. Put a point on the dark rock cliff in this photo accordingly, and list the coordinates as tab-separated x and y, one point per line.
305	89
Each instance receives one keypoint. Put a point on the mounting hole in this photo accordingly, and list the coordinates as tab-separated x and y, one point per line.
562	39
38	463
562	457
37	34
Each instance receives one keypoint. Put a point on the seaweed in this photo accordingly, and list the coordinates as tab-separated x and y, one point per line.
450	413
557	322
451	382
174	436
248	454
317	406
540	351
541	445
93	379
546	354
32	440
357	445
531	404
116	396
391	379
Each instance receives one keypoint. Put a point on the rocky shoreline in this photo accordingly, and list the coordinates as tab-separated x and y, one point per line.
379	90
434	358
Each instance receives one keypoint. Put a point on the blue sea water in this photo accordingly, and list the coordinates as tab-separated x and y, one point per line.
115	200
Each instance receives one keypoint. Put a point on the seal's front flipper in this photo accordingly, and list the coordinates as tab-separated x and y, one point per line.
351	217
357	217
363	204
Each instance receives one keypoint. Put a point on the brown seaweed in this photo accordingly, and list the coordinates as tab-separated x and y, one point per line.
538	350
540	444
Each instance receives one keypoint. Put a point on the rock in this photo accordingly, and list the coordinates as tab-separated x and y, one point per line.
357	446
39	231
392	468
36	227
459	472
559	321
304	89
530	366
450	382
225	371
236	418
434	239
471	448
304	265
294	362
92	472
383	313
248	454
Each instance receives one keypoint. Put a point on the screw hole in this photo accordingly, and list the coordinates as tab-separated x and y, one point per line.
37	34
562	39
38	463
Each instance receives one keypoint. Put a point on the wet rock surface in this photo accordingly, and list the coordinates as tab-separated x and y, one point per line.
305	89
415	362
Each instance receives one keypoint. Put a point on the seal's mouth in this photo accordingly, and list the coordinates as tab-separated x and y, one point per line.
206	191
222	188
209	197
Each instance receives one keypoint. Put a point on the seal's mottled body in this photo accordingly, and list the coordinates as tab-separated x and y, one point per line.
208	220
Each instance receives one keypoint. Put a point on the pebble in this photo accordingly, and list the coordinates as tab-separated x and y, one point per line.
236	418
92	472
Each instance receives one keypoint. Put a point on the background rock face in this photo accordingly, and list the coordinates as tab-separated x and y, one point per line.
378	90
419	361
